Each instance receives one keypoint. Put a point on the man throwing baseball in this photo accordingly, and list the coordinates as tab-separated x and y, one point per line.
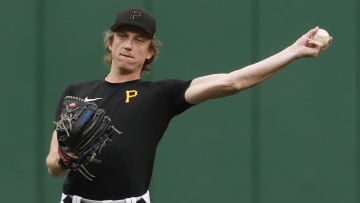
119	170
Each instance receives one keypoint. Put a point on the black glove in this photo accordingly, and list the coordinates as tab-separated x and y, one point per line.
82	132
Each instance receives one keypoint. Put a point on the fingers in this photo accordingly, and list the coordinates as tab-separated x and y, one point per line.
305	39
312	32
308	47
313	44
310	35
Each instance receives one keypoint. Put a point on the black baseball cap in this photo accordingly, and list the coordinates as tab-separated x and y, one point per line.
137	17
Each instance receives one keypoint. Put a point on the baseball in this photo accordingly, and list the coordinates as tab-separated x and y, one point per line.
322	36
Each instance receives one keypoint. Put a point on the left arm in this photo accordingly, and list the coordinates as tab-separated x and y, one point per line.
221	85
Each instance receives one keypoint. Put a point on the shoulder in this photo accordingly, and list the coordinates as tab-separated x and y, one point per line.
168	86
171	83
86	83
82	85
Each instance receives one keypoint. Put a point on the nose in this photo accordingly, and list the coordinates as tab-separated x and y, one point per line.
128	45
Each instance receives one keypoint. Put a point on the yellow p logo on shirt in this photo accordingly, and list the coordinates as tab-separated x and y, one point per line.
130	94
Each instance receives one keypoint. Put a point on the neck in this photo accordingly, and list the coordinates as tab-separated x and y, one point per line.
119	75
119	78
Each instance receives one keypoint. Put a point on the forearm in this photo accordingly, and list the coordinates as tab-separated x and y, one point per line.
52	159
52	163
260	71
256	73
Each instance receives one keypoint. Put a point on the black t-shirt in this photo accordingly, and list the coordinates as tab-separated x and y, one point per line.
141	111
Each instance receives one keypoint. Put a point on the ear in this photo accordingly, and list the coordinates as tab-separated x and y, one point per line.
151	54
109	44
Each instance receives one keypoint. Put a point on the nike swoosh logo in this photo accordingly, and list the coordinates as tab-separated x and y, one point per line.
90	100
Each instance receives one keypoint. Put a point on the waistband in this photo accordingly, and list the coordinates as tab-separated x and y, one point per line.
145	198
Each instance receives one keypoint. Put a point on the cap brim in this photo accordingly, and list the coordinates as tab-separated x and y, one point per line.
116	26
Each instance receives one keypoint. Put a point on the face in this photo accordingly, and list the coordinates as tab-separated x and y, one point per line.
129	49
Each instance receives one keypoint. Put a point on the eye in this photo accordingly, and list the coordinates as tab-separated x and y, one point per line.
140	39
121	35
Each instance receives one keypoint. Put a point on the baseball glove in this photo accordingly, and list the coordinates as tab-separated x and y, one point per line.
82	132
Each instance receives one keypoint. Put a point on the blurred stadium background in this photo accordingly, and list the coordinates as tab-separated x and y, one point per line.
294	138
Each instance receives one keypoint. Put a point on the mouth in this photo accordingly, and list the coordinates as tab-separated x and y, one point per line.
127	56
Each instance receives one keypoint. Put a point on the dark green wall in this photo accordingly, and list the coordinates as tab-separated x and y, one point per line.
293	138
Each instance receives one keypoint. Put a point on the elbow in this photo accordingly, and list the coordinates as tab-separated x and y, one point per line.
50	167
233	87
51	172
238	86
53	167
226	89
54	174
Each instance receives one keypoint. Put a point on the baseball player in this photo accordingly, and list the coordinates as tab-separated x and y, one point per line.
142	110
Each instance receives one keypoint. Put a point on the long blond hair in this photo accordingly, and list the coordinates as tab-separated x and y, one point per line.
108	38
